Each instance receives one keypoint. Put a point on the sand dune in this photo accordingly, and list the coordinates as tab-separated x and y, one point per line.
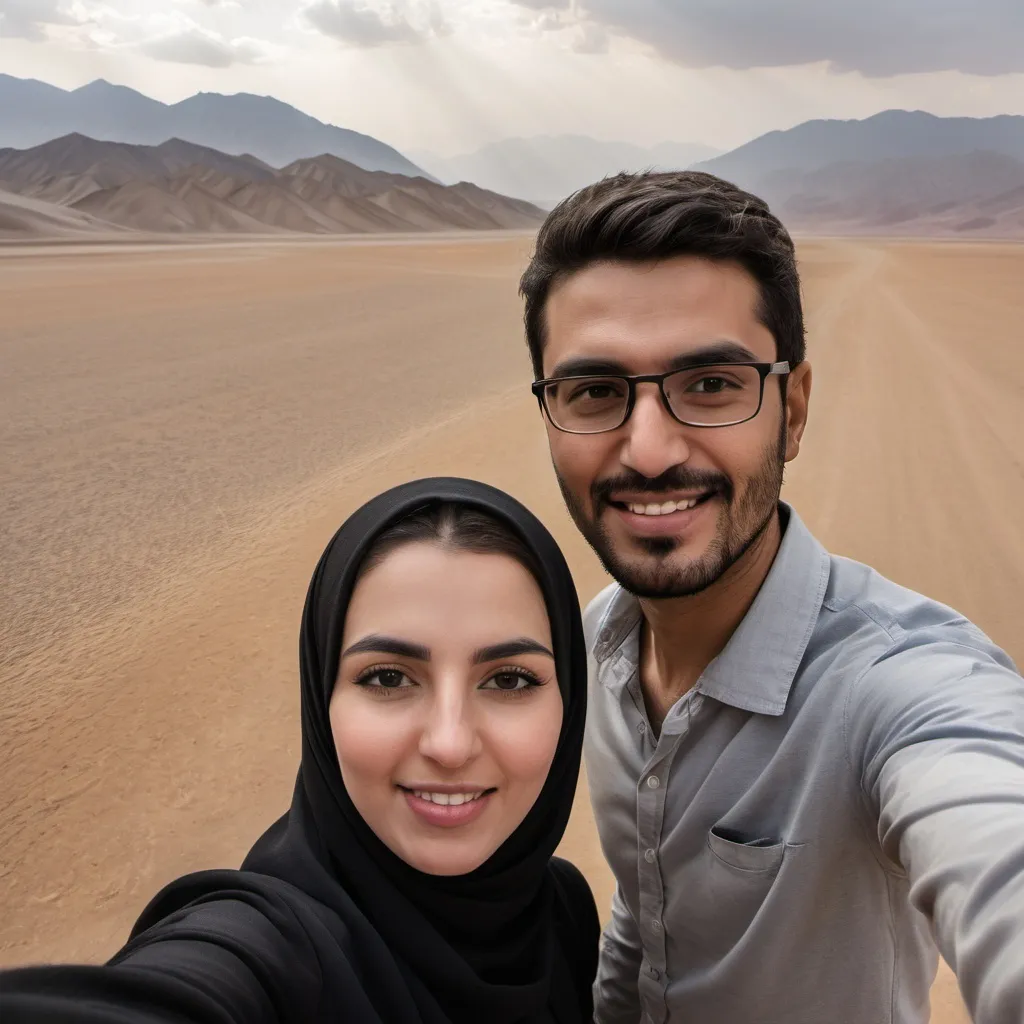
23	216
187	426
182	188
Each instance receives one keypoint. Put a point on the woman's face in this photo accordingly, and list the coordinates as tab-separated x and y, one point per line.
446	712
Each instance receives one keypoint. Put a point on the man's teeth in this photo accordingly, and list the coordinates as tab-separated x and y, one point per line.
661	510
448	798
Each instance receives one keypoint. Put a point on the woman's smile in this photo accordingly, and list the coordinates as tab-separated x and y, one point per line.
445	746
447	806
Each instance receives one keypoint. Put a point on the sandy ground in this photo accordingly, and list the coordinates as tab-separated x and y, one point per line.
184	429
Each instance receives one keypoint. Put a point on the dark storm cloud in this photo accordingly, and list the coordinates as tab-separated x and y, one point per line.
875	37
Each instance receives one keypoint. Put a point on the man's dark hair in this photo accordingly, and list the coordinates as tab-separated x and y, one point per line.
655	216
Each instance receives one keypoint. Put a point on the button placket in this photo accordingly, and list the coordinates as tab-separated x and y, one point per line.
650	816
651	795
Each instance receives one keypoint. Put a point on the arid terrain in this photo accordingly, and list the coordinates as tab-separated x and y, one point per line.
74	185
185	426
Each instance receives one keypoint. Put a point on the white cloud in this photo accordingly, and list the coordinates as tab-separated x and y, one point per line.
543	5
591	38
27	19
364	24
195	45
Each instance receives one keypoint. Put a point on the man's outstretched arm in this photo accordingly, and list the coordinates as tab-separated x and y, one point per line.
936	733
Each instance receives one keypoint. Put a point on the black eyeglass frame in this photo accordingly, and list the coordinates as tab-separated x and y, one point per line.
765	370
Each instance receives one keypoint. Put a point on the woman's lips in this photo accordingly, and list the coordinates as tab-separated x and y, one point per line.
447	815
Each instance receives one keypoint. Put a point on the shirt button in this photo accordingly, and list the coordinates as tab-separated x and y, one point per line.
642	728
655	925
654	973
649	856
653	782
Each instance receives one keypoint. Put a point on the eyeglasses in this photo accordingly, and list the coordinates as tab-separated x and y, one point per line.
712	395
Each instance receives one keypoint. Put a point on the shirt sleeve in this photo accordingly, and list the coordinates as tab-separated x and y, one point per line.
616	990
196	972
937	736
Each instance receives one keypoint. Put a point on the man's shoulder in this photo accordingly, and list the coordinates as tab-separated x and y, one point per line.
904	644
865	601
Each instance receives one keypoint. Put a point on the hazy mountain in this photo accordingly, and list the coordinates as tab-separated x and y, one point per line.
80	164
890	135
972	193
75	184
545	169
33	112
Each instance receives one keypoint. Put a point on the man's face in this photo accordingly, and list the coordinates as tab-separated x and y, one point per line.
646	318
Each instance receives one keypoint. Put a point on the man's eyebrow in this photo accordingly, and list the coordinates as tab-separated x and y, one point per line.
717	352
509	649
724	351
588	367
374	643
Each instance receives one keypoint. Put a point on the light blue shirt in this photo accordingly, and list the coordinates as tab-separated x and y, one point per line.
841	790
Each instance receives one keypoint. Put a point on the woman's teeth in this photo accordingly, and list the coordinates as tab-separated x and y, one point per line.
663	509
448	798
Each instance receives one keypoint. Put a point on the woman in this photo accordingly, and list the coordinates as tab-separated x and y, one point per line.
412	880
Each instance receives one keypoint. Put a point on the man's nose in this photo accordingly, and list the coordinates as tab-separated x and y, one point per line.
655	441
450	736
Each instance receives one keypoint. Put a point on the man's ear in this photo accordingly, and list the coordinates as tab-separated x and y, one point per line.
798	396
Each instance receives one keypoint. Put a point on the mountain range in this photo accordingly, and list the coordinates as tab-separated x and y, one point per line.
889	135
898	172
245	162
33	112
546	168
75	184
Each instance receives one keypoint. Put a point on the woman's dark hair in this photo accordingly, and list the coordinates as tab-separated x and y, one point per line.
455	527
655	216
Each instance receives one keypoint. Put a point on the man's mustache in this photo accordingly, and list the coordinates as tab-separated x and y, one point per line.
678	478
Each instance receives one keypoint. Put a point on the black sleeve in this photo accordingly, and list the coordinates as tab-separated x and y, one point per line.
580	929
222	962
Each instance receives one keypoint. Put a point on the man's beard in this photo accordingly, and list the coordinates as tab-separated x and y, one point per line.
741	523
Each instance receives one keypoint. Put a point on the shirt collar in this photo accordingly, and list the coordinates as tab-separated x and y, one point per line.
756	669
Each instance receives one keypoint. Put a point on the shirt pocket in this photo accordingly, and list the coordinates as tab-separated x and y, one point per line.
735	874
755	855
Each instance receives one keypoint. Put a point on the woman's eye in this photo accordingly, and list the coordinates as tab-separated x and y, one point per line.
386	678
509	682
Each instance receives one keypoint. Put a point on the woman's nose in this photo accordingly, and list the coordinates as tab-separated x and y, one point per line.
450	736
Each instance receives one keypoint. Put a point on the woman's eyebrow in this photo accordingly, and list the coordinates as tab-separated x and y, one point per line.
510	649
375	643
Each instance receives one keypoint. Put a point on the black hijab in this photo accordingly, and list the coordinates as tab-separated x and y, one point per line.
483	944
323	923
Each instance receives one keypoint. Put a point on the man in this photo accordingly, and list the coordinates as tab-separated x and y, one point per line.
801	772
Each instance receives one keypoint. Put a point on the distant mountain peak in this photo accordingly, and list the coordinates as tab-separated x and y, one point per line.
101	85
269	129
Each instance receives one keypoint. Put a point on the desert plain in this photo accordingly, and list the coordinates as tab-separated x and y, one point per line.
184	426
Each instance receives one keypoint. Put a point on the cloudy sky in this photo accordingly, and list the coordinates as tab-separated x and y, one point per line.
450	75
